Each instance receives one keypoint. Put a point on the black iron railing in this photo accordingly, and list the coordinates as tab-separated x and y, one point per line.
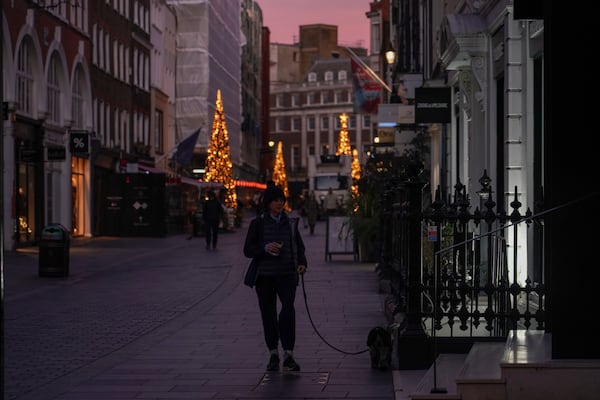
466	275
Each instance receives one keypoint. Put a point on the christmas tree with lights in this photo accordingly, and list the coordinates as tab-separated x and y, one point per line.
279	175
355	172
219	167
344	143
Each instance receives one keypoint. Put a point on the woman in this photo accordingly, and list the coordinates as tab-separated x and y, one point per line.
274	243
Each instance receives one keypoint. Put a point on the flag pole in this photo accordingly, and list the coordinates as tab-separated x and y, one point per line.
367	68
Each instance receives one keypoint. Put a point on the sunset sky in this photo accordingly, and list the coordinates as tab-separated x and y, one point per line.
283	18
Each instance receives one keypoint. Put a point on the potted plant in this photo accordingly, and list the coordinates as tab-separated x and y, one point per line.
364	212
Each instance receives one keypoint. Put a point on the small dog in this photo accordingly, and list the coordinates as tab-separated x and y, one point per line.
379	343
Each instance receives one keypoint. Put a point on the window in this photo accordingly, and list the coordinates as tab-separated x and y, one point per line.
337	124
366	121
325	98
375	37
53	91
352	121
340	97
279	100
24	79
311	150
328	76
295	100
311	123
325	122
312	77
342	76
158	131
296	162
310	98
296	124
77	93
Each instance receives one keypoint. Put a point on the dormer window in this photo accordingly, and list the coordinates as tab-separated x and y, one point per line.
328	76
342	76
312	77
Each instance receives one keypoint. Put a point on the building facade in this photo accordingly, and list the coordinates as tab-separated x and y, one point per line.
46	58
120	33
305	117
97	89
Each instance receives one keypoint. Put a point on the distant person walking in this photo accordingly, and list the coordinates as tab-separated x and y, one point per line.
330	203
274	243
312	210
212	213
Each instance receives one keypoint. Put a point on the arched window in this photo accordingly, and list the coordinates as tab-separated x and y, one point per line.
53	91
77	101
24	78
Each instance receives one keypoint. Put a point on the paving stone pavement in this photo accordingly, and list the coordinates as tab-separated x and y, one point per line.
162	318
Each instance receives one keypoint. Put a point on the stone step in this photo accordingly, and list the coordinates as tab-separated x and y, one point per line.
439	382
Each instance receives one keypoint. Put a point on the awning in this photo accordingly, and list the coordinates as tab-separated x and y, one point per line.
201	184
153	170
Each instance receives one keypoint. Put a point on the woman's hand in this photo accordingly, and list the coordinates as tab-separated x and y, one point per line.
301	269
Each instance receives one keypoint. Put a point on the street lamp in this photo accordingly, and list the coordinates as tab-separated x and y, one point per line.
390	57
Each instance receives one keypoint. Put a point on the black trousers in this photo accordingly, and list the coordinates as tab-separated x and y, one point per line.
282	326
212	232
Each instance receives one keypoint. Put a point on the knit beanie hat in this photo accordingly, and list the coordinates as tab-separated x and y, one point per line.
272	193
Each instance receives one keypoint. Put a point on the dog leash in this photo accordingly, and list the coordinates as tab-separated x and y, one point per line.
317	331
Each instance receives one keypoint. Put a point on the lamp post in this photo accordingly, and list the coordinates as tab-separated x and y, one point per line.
2	185
390	57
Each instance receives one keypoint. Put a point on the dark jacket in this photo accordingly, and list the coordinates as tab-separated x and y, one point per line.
212	210
264	229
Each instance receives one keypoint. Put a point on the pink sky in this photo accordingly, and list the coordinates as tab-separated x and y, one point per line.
284	17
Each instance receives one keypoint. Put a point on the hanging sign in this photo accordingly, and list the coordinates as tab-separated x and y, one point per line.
79	143
433	105
56	153
432	233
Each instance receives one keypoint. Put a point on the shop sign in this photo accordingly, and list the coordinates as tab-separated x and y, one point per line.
432	105
79	143
28	155
55	153
386	135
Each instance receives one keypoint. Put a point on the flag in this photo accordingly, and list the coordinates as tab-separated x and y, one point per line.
367	89
185	149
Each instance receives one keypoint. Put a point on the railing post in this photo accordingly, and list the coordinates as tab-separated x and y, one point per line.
414	346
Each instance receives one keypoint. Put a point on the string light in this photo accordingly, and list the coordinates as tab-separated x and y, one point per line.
344	142
279	175
219	167
355	173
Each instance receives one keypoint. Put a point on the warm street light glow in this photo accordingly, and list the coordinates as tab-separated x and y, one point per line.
390	56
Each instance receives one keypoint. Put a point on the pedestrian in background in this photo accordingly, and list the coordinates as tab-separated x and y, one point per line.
302	200
274	243
330	203
212	213
312	210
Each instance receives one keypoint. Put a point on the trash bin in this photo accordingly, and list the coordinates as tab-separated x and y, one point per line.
54	251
